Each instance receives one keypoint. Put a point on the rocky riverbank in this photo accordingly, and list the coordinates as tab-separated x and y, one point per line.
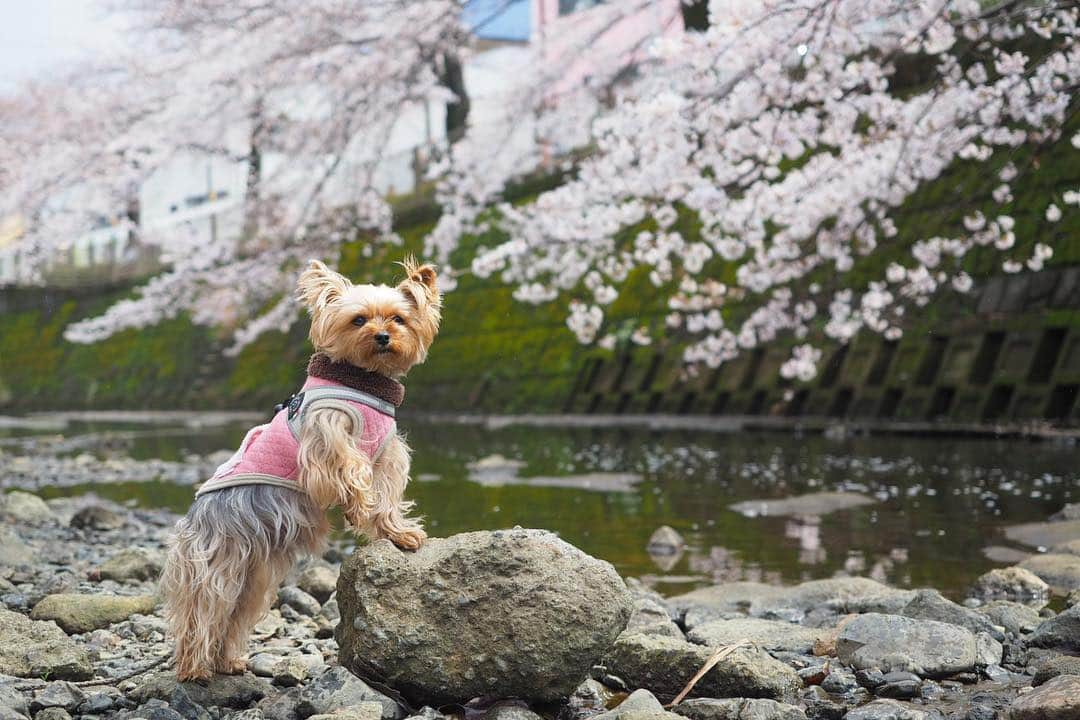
535	619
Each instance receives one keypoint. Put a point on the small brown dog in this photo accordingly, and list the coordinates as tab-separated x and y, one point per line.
335	443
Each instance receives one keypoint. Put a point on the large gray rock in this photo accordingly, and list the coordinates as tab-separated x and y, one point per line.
932	605
738	709
1015	584
31	649
512	613
892	642
1061	631
1061	571
1056	699
766	634
77	613
664	665
25	509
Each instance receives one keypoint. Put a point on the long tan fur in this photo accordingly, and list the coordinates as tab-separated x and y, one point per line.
230	552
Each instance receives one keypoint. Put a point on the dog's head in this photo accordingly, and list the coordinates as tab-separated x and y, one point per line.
376	327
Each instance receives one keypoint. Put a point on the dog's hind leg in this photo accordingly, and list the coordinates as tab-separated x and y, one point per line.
201	587
262	577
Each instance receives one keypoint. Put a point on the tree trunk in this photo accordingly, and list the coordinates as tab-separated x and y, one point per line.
254	173
695	15
457	113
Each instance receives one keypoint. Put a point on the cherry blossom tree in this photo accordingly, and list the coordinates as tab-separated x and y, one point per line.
790	132
305	95
750	168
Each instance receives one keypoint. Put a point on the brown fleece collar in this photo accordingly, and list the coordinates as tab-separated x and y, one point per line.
321	366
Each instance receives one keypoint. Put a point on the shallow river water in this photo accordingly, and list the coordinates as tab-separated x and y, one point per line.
923	511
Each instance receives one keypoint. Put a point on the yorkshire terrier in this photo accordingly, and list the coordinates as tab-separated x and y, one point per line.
334	443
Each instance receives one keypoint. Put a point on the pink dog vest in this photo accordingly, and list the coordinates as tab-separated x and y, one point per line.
268	454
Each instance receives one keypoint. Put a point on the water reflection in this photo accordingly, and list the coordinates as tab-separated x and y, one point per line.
806	530
914	511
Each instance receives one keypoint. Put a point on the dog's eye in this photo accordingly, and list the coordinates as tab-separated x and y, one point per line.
359	320
399	320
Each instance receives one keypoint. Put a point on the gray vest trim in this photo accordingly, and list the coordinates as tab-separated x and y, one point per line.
335	393
247	479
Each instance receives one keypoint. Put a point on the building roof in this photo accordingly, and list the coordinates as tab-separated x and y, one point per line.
507	20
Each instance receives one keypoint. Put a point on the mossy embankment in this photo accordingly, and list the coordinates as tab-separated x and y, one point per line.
494	354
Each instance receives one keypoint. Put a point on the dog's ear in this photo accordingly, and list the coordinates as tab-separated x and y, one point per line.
320	286
421	283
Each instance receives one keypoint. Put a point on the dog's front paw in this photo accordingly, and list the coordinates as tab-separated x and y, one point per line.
409	539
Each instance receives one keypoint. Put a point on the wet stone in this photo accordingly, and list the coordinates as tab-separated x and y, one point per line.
840	682
13	705
887	710
1056	699
95	517
651	618
899	686
132	564
1055	665
319	581
57	694
77	613
737	709
1015	617
665	540
931	605
337	689
510	710
24	508
233	691
96	704
640	705
1061	631
870	678
1015	584
1061	571
766	634
663	665
298	600
40	649
820	705
52	713
890	642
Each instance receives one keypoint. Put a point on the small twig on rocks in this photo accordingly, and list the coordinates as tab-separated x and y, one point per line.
36	684
721	653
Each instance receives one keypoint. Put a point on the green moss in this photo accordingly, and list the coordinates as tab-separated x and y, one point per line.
501	355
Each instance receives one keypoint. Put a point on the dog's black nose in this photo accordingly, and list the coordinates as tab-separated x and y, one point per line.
382	339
